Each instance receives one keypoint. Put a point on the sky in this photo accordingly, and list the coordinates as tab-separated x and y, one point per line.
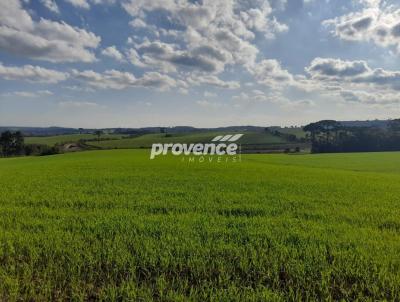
202	63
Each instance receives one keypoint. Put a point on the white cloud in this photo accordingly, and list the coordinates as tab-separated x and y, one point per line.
79	3
335	68
156	80
377	22
114	79
80	88
354	81
25	94
114	53
209	104
210	35
213	81
44	39
51	5
368	98
259	19
137	22
32	74
85	4
169	57
209	94
208	38
297	105
134	58
355	72
12	15
270	73
110	79
28	94
79	105
257	96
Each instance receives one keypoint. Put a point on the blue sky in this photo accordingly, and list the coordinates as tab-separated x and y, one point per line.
132	63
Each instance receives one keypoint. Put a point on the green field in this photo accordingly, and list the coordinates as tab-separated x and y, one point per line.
70	138
295	131
145	141
116	141
384	162
114	225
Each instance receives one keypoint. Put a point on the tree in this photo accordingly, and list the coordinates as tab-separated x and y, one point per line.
314	129
11	143
321	134
354	138
327	127
98	133
394	125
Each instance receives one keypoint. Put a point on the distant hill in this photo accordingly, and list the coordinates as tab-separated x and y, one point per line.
374	123
52	131
41	131
252	141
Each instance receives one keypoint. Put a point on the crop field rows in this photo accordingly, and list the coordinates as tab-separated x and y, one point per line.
251	141
114	225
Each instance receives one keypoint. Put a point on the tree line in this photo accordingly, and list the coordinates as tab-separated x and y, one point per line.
330	136
13	144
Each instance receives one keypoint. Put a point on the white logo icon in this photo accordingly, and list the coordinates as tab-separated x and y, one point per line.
220	145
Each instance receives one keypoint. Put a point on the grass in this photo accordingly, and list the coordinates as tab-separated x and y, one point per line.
117	141
251	140
384	162
145	141
295	131
61	139
113	225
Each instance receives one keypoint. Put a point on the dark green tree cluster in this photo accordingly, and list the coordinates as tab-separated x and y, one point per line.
329	136
11	143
